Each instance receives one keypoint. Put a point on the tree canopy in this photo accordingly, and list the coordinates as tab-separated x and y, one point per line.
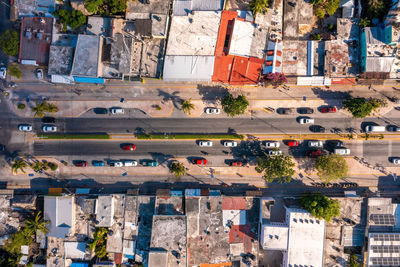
361	107
19	164
106	7
234	106
353	261
99	242
15	71
276	168
187	106
41	107
323	7
177	169
9	42
258	6
331	167
320	206
73	19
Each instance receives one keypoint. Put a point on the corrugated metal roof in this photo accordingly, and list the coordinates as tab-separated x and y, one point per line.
182	7
188	68
379	64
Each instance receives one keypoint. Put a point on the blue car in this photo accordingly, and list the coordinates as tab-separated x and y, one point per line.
98	163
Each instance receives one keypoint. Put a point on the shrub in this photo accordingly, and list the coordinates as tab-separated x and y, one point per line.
234	106
21	106
9	42
53	166
15	71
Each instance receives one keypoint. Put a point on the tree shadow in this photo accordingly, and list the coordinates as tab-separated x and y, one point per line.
176	100
210	94
331	97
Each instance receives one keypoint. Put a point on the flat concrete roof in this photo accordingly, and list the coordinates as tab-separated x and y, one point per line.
104	211
60	211
275	236
158	258
130	217
242	36
172	205
146	208
114	241
195	34
75	250
99	26
87	53
294	61
188	68
139	9
60	60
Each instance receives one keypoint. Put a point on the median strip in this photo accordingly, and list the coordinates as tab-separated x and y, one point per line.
73	136
188	136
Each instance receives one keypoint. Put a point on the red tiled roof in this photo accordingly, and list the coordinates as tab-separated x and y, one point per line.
118	258
242	234
233	203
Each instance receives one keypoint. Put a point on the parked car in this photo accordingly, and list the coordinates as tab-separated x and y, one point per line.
236	163
314	143
328	110
334	143
341	151
306	120
230	144
150	163
199	161
2	147
305	110
100	111
116	164
80	163
25	128
98	163
374	128
49	128
117	111
395	160
395	100
271	144
212	110
292	143
274	152
284	111
317	129
130	147
48	120
130	163
205	143
393	128
314	153
3	72
39	74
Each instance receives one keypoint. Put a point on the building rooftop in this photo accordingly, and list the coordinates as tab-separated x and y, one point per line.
131	217
87	55
75	250
142	9
169	234
28	8
60	60
60	211
188	68
195	34
146	208
383	214
35	39
114	240
158	258
25	201
383	249
183	7
275	236
105	211
294	61
172	205
99	26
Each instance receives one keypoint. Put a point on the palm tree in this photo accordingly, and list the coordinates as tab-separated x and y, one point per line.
37	224
258	6
187	106
38	166
39	109
177	169
18	164
51	108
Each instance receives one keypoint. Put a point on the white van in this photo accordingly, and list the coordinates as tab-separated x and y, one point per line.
374	128
117	111
130	163
341	151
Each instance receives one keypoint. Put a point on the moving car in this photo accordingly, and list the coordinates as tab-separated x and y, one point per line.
39	74
236	163
341	151
130	163
49	128
314	143
3	72
305	111
292	143
98	163
199	161
314	153
393	128
117	111
116	163
205	143
317	129
274	152
25	128
130	147
395	160
284	111
306	120
271	144
328	110
212	110
48	120
80	163
230	144
150	163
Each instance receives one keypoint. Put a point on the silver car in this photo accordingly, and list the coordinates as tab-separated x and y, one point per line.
25	128
205	143
274	152
306	120
272	144
395	160
3	72
49	128
212	110
116	164
314	143
230	144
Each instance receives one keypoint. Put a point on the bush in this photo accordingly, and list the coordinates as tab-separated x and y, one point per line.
73	19
331	27
9	42
53	166
158	107
331	6
234	106
15	71
316	37
275	79
320	12
320	206
361	107
106	7
21	106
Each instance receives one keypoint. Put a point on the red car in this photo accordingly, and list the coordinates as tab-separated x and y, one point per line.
80	163
129	147
328	110
314	153
293	143
199	161
237	163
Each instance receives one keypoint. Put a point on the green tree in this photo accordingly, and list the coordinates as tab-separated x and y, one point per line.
18	164
39	109
21	106
353	261
362	107
38	166
258	6
51	108
9	42
37	224
320	12
93	5
21	238
187	106
177	169
52	166
364	22
15	71
377	8
331	6
332	167
320	206
117	6
73	19
234	106
276	168
99	242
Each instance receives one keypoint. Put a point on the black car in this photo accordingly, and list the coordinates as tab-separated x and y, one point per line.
284	111
305	111
334	143
48	120
100	110
317	129
2	147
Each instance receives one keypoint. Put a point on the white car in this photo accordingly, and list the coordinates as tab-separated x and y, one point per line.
341	151
274	152
116	164
212	110
25	128
3	72
396	160
272	144
39	74
49	128
306	121
130	163
117	111
205	143
315	143
230	144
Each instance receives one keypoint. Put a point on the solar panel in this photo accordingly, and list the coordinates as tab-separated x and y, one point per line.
386	249
386	261
383	219
386	237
